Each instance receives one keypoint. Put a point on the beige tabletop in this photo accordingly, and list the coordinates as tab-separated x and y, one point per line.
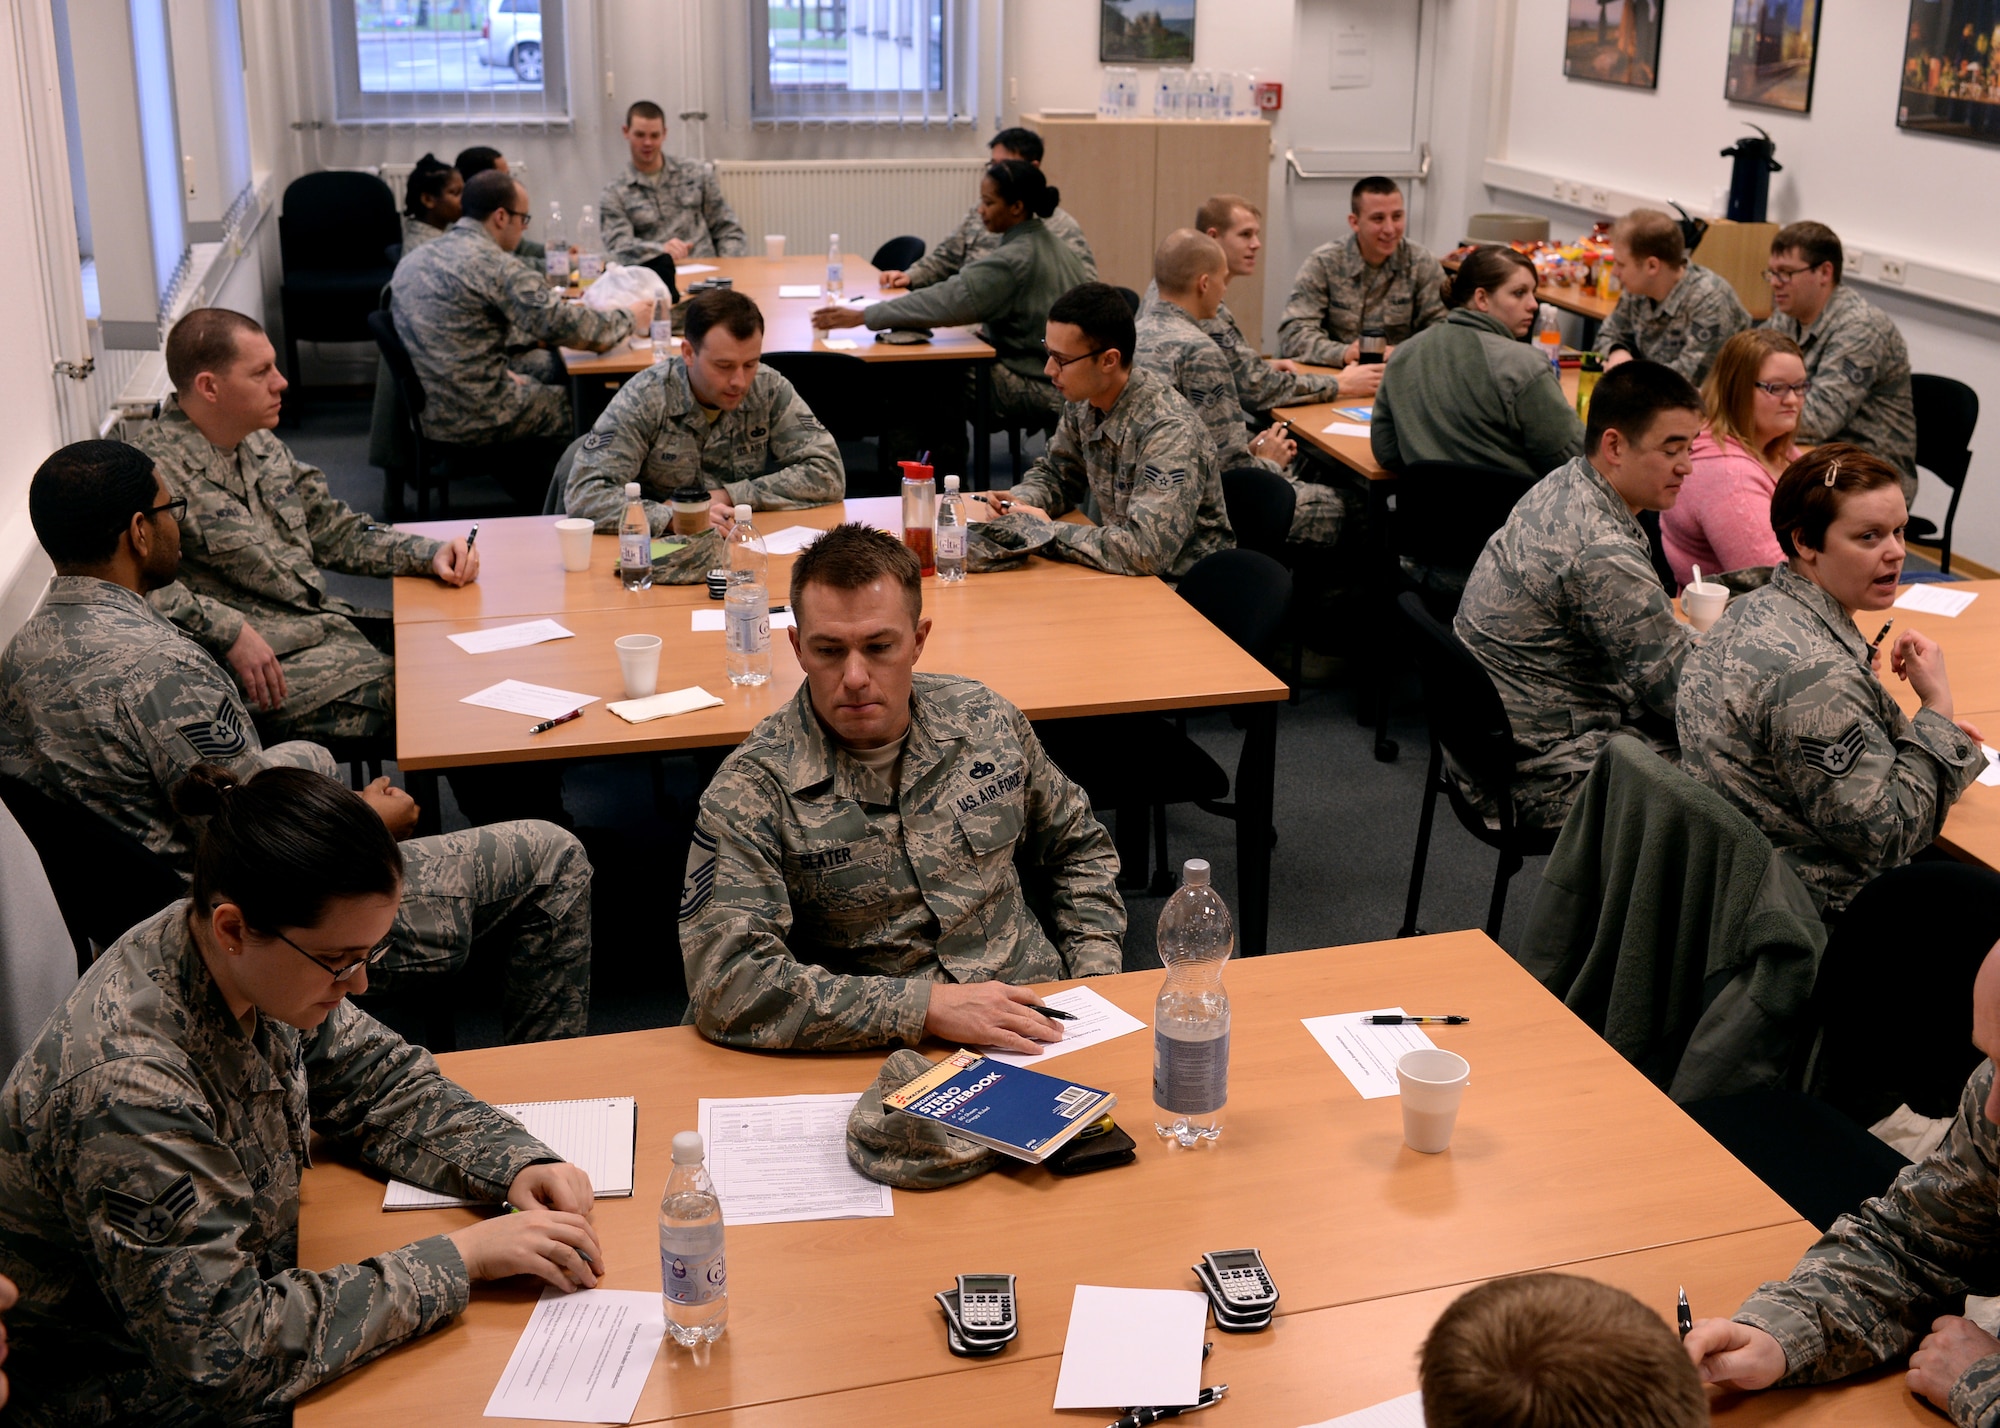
1563	1153
788	321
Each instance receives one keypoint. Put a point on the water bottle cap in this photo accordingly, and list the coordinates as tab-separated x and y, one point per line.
742	515
951	483
1194	873
631	490
687	1148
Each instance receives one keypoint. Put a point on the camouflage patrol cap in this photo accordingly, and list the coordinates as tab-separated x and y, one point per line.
909	1152
1005	542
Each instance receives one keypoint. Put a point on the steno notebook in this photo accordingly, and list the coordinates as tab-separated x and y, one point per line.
1011	1109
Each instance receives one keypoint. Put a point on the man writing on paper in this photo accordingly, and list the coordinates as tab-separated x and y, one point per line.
868	865
714	417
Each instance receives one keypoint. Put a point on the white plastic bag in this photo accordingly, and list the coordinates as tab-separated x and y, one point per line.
620	287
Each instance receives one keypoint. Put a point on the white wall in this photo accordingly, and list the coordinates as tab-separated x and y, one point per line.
1930	199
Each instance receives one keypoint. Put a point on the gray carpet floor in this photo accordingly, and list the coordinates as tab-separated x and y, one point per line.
1340	871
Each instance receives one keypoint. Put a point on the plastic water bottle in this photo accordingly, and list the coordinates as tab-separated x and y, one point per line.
951	534
589	249
836	282
1548	333
662	334
557	241
694	1275
746	609
1191	1017
635	542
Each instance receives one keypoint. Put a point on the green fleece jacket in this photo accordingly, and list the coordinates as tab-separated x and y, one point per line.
1467	390
1669	924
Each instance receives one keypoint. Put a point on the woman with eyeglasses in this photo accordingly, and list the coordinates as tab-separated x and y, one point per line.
1753	395
152	1140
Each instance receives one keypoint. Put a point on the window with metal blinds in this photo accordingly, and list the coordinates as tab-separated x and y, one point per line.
907	63
449	61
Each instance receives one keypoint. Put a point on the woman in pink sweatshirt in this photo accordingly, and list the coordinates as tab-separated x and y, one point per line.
1722	520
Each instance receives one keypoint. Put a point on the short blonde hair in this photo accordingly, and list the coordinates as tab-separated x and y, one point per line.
1556	1351
1183	256
1219	210
1649	233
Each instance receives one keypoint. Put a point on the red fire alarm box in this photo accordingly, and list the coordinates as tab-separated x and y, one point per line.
1270	97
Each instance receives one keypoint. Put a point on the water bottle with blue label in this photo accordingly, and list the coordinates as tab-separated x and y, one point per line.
694	1274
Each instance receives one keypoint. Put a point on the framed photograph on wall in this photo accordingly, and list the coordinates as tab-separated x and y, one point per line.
1614	42
1772	48
1951	71
1145	31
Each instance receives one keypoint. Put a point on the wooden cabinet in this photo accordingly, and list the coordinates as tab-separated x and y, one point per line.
1739	252
1131	182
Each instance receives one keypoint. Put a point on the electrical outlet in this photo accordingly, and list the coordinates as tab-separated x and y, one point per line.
1600	199
1891	271
1576	193
1560	189
1013	88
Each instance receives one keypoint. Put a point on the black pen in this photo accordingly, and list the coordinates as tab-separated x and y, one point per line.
1876	648
1395	1019
548	724
1683	1315
473	536
1140	1417
1055	1013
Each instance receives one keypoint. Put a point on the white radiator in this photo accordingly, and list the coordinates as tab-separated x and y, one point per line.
866	201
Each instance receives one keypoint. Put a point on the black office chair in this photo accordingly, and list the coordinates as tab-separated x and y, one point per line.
552	504
436	464
844	394
1469	725
333	236
1445	513
898	253
105	881
1260	505
1131	299
1140	763
1947	411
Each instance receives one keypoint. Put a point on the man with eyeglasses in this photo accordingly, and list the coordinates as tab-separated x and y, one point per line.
106	704
1856	359
454	302
1129	443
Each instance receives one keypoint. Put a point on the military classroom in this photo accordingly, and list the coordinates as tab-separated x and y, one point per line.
869	712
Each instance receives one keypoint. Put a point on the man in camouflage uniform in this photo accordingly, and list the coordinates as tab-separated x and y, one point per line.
659	205
151	1147
714	417
105	704
456	299
868	865
1856	359
1564	609
1189	272
1375	277
1672	311
1887	1278
1130	444
259	526
972	241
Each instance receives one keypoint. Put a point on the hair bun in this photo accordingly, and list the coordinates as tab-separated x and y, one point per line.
1051	200
200	793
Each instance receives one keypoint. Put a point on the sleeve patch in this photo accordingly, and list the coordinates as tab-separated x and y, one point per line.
1835	756
597	441
700	882
219	738
150	1221
1164	480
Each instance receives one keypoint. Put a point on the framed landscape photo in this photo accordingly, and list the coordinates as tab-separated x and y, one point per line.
1614	42
1772	46
1145	31
1951	72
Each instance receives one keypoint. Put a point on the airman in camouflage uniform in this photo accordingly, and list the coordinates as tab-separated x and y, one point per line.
454	301
259	526
1176	346
1569	619
1781	714
1860	371
971	241
770	453
104	703
822	899
1684	330
1337	294
150	1155
1149	467
1867	1292
640	213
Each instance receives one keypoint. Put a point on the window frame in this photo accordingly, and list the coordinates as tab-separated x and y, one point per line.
354	107
953	103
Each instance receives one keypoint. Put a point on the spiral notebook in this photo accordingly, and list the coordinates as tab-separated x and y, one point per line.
597	1136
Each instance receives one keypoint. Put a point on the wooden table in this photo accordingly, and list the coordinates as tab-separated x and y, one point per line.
596	376
1057	639
1564	1156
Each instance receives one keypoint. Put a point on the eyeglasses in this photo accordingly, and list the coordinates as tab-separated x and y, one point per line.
526	218
1062	361
342	974
1781	390
1777	277
179	506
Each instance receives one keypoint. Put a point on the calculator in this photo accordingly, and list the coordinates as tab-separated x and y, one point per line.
1243	1281
986	1306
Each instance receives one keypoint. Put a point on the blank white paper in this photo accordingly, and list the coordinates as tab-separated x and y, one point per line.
1367	1055
776	1159
1132	1348
536	700
596	1136
882	513
1347	428
798	290
1096	1020
1404	1412
682	270
510	637
583	1358
1991	778
1935	599
791	540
